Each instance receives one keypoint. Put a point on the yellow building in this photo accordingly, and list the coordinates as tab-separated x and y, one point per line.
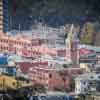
8	82
87	33
83	65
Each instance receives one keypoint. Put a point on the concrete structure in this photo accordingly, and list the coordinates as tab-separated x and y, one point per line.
86	83
4	17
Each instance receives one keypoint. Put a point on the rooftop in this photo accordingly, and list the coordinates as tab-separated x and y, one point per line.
89	76
89	47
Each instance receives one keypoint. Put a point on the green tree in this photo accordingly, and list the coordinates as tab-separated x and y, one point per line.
72	83
63	75
65	66
39	88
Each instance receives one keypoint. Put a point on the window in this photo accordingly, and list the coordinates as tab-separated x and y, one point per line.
50	75
27	81
90	83
99	77
84	83
13	83
91	77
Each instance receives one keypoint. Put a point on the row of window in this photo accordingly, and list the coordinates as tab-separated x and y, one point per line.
4	48
15	42
40	76
16	49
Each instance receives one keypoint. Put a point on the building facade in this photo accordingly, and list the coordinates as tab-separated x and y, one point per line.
87	83
43	73
4	16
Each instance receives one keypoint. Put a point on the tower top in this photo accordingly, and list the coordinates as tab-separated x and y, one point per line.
72	34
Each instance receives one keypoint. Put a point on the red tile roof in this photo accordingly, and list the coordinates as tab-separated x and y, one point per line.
25	66
84	51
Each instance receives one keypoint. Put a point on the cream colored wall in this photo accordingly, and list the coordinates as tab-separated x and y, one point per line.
7	82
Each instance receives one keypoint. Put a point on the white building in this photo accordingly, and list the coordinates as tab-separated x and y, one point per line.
87	82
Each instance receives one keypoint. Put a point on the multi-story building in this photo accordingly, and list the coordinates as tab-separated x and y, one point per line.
27	47
47	75
87	83
13	44
4	16
1	15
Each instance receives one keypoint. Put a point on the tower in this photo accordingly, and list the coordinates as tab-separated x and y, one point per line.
68	45
4	17
71	46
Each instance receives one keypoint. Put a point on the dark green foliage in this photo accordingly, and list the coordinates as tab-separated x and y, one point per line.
72	83
63	89
39	88
66	35
65	65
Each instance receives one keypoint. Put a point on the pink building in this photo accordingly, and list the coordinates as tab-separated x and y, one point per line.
42	73
26	47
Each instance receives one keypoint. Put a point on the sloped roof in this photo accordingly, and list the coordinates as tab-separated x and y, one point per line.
89	76
25	66
85	51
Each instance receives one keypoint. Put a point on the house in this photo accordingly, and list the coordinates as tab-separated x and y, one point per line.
86	83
